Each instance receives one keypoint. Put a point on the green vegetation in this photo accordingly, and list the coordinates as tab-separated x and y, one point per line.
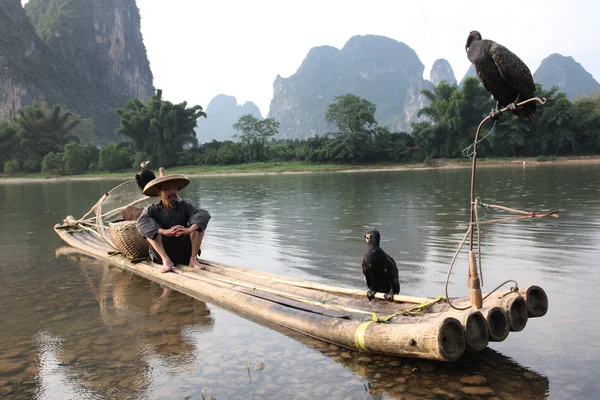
255	135
159	128
162	132
565	128
36	132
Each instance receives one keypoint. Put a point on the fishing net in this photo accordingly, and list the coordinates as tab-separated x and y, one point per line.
114	217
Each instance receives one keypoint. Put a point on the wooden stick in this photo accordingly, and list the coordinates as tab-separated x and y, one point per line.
493	221
514	210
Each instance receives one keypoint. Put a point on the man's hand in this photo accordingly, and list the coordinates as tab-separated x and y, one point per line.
175	231
190	230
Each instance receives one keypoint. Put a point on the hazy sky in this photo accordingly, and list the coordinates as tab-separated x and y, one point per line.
198	49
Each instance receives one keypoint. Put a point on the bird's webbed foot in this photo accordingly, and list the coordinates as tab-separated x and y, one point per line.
495	114
370	294
389	296
513	106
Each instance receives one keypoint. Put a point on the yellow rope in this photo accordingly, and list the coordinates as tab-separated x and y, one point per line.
416	310
359	334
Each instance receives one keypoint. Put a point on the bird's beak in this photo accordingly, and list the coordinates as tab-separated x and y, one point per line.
467	49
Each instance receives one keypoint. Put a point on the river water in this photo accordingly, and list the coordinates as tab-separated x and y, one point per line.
73	327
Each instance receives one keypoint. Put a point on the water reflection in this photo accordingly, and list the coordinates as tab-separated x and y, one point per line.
132	327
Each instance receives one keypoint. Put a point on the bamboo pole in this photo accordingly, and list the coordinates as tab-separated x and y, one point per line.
474	285
439	339
314	285
476	328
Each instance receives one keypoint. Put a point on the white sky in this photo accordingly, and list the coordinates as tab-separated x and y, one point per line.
198	49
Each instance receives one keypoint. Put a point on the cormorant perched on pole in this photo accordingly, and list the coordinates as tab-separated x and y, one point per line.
503	74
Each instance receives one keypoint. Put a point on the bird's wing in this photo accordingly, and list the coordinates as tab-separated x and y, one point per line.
365	268
513	70
391	270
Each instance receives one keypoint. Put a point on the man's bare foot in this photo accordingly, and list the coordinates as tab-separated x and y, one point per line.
167	266
194	263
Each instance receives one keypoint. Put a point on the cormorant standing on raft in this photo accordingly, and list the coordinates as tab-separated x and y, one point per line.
503	74
379	268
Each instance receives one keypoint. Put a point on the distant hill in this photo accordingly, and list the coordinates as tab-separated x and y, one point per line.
441	71
86	54
379	69
568	75
471	73
221	113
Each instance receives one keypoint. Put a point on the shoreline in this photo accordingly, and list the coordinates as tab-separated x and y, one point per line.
443	164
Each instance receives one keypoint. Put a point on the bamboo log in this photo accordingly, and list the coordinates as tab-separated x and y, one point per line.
516	308
440	339
359	303
313	285
497	322
475	326
206	276
536	299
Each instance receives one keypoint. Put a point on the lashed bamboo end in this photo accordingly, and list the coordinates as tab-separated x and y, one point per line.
517	312
476	331
537	301
497	323
451	339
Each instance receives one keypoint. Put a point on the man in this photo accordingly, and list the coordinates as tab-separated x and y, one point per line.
173	227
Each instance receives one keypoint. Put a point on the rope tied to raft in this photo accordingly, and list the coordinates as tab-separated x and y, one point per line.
359	334
412	311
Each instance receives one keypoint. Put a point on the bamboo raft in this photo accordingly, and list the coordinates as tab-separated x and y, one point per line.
409	326
440	328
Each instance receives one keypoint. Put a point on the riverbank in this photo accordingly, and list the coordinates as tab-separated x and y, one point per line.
281	168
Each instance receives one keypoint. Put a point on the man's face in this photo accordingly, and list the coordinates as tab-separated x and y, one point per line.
168	192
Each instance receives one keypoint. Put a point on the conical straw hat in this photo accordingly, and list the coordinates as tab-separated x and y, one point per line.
151	188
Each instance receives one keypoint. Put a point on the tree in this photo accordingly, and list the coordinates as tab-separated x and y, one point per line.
113	158
53	163
159	128
254	135
74	159
12	167
355	120
351	113
9	141
41	131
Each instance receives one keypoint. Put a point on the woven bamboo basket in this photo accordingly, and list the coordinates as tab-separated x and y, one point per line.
128	240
